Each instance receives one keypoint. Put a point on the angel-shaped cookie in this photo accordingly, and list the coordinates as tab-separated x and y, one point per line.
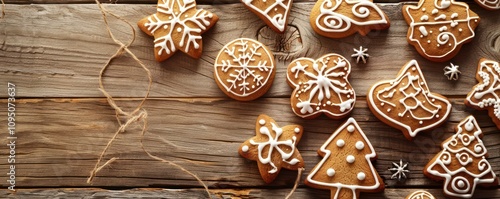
486	94
439	28
406	102
341	18
273	147
321	86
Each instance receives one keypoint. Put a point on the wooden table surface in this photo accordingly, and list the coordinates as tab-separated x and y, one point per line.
53	52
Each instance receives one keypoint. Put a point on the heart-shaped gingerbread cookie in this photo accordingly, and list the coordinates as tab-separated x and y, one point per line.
407	104
321	86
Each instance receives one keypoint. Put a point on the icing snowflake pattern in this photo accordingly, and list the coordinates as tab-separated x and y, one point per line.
399	170
248	65
177	25
321	86
337	16
452	72
360	54
407	99
489	4
273	147
486	94
440	27
420	195
275	12
462	162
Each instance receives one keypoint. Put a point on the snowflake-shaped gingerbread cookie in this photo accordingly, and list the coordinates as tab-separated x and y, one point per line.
273	12
341	18
244	69
321	86
406	102
273	147
177	25
439	28
486	94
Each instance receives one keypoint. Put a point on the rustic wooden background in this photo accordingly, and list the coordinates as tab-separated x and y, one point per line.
53	51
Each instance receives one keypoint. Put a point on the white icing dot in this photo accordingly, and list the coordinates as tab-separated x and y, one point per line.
350	128
475	20
382	104
438	45
420	122
244	148
430	31
330	172
253	86
461	184
361	176
328	102
179	29
469	126
296	130
428	41
262	122
423	9
421	36
317	108
359	145
275	9
449	44
477	149
186	16
350	159
460	30
388	110
437	116
340	143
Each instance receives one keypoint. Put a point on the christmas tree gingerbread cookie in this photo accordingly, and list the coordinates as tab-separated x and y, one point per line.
439	28
420	195
273	148
341	18
321	86
273	13
406	102
486	94
462	163
177	25
346	167
244	69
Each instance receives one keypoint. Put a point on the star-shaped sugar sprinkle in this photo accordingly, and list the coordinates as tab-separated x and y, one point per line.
177	25
399	171
452	72
360	54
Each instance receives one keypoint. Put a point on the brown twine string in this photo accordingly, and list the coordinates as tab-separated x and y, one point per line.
138	114
3	10
299	174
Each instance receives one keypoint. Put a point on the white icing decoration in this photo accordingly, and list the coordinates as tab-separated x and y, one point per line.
375	184
190	35
244	148
340	143
420	195
454	15
423	30
350	129
424	18
330	172
360	145
326	82
456	185
444	37
360	54
246	73
485	94
273	143
350	159
296	130
489	4
333	21
411	111
262	121
361	176
277	19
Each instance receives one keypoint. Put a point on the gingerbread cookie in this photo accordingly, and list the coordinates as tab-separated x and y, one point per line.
177	25
346	167
489	4
273	148
321	86
244	69
486	94
273	13
341	18
420	195
439	28
407	104
462	163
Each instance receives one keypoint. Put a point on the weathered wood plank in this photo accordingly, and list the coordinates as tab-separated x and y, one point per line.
58	50
219	193
59	141
200	2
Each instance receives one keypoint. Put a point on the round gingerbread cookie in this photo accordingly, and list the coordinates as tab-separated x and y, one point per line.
420	194
439	28
244	69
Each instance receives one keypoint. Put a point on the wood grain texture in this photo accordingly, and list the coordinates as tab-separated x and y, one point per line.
200	2
57	51
217	193
59	141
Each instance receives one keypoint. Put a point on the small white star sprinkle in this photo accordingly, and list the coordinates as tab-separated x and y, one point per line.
360	54
452	72
399	170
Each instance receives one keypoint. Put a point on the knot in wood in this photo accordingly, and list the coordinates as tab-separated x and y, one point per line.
282	45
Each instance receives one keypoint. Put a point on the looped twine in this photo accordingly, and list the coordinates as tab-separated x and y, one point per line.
3	9
297	181
139	114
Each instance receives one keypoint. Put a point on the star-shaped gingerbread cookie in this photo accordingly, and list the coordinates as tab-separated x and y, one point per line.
273	147
177	25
